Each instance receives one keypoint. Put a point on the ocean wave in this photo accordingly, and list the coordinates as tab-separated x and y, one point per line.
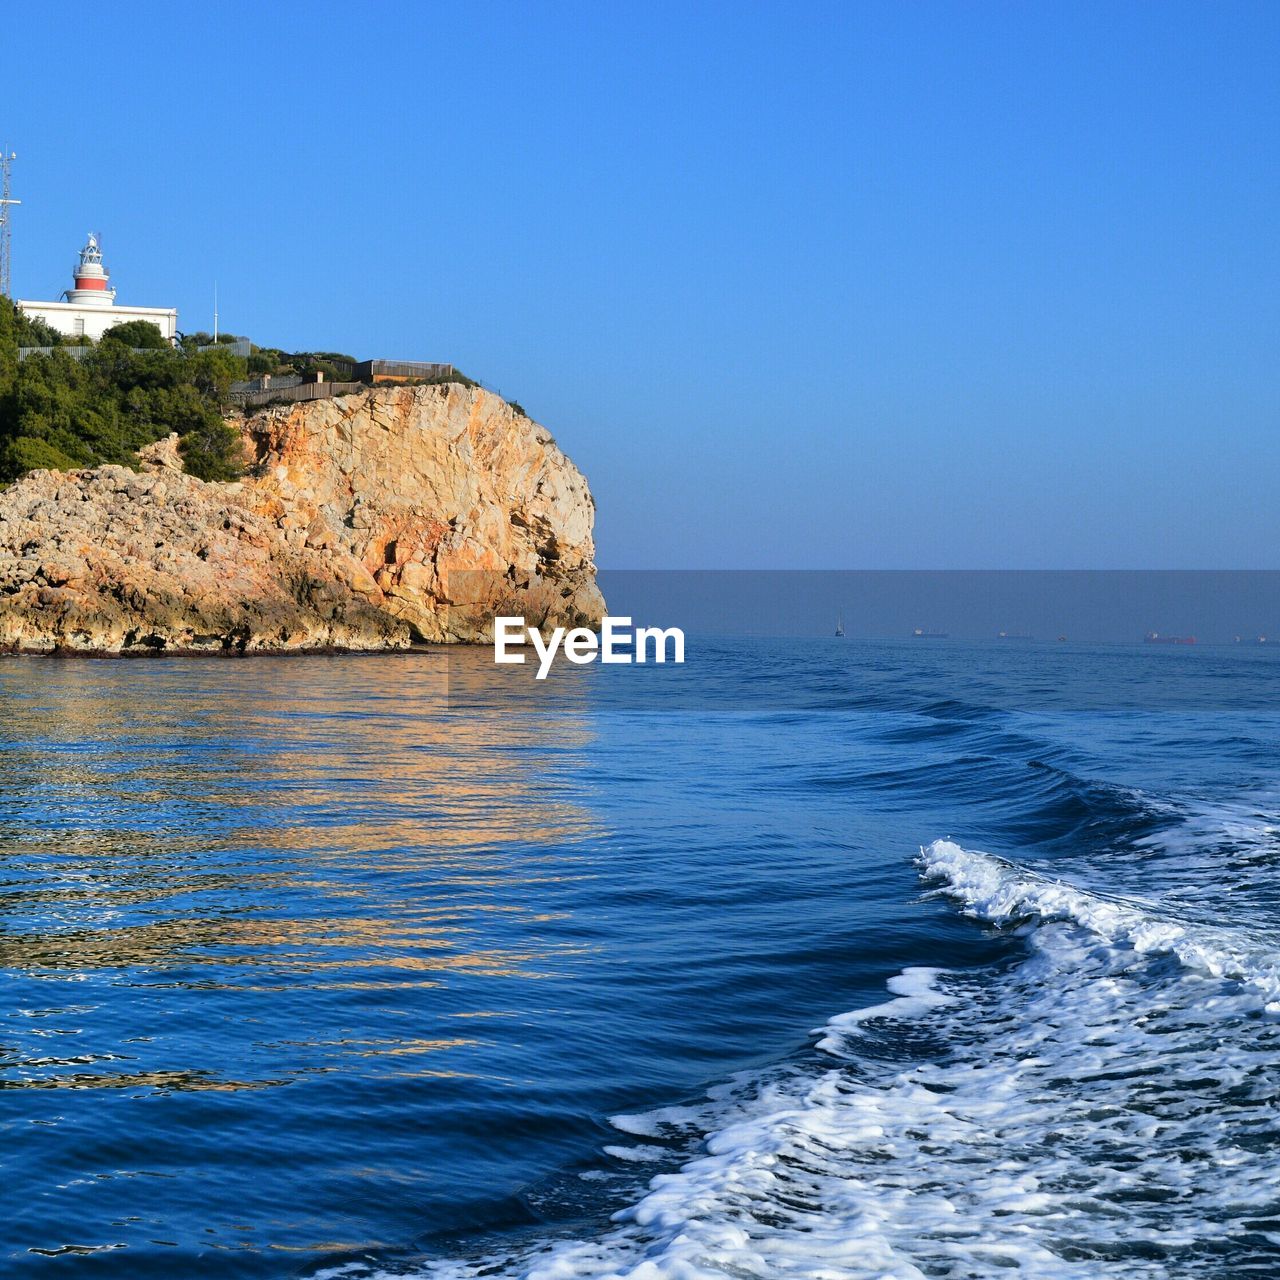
1102	1105
1002	892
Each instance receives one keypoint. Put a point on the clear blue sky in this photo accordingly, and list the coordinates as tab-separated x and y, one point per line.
848	285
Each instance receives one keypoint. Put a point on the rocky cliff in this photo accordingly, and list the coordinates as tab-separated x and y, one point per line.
364	522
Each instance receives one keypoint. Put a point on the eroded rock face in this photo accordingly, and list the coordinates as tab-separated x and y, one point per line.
366	522
108	560
448	497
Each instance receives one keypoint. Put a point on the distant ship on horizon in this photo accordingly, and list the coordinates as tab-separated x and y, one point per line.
921	634
840	626
1015	635
1154	637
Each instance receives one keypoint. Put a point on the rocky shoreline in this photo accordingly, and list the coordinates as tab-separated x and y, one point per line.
365	523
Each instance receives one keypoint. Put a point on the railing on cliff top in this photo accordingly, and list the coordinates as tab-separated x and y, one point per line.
287	388
240	347
307	391
267	382
75	353
236	348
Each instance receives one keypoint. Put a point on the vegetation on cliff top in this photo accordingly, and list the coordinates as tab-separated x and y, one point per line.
127	391
82	404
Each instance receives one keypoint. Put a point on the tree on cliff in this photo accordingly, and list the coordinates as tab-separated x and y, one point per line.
18	330
128	391
213	451
138	333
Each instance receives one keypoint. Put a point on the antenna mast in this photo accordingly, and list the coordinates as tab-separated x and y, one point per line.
215	311
6	237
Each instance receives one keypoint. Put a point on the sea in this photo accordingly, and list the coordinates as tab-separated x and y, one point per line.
811	958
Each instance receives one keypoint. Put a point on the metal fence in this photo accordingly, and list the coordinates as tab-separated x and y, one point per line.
406	370
76	353
79	353
288	395
241	347
273	382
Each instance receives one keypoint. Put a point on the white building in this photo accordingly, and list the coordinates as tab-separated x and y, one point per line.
90	308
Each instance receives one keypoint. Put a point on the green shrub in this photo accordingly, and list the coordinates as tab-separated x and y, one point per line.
131	389
442	379
28	453
212	450
137	333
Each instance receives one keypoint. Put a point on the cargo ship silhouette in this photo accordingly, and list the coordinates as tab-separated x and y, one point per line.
1154	637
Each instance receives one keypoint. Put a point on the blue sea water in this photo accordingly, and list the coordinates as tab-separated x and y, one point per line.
812	958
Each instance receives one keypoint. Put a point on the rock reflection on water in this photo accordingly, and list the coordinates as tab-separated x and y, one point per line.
237	878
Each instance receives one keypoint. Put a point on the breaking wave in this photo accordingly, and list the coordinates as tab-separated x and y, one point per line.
1001	892
1106	1103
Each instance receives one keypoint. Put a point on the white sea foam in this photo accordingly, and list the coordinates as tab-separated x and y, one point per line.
1104	1108
916	993
996	890
639	1154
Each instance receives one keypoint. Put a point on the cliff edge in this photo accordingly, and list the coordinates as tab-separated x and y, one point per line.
364	522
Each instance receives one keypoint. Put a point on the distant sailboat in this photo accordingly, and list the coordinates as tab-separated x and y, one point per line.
840	626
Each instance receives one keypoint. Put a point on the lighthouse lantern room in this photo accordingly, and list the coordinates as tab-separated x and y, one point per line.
92	278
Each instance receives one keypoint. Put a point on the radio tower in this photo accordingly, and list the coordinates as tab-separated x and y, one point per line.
6	204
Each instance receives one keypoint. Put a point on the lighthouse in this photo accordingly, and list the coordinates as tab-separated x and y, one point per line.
88	309
92	278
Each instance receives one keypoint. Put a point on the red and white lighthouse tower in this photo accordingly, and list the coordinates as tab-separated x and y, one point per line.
89	309
93	288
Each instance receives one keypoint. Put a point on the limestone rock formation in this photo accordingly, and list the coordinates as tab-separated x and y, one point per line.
365	522
451	499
